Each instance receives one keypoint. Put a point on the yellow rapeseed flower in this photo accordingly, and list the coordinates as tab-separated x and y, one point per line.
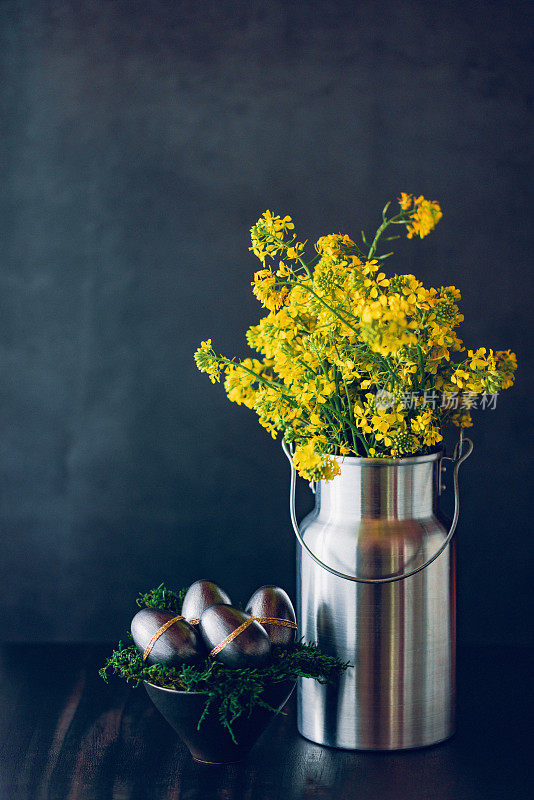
425	217
338	333
405	201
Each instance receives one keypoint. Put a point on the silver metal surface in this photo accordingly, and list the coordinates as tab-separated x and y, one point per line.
379	521
441	486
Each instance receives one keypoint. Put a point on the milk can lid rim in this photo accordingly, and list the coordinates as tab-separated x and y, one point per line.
387	462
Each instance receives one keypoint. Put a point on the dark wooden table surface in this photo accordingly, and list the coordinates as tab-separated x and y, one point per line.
65	734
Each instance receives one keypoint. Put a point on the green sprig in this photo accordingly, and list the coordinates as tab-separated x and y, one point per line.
162	599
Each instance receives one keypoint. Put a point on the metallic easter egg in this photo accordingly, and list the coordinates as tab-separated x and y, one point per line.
202	595
271	601
250	648
178	644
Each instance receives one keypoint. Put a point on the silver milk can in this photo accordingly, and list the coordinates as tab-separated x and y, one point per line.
376	586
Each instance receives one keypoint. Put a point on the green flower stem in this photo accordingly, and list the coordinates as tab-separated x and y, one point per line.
328	410
421	369
325	304
272	384
352	429
325	373
396	220
286	246
351	410
307	366
338	413
385	360
364	442
306	268
345	421
336	381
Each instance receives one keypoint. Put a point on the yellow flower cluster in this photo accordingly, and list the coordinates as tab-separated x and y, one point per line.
207	361
424	214
339	336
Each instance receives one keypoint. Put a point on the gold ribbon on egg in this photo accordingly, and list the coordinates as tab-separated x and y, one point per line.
287	623
158	633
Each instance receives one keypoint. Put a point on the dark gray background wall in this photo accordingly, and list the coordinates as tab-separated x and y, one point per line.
141	140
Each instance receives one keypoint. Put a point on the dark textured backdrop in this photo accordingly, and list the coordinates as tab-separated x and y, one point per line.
140	142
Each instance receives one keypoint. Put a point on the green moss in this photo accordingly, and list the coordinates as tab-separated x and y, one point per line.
162	599
230	692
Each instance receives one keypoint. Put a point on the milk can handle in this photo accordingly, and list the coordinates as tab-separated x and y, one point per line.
458	457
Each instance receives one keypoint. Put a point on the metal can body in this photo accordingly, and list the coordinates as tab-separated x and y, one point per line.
379	520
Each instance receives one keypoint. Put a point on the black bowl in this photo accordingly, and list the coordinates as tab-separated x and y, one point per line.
212	743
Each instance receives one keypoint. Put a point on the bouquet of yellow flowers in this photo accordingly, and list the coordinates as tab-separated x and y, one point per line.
351	361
